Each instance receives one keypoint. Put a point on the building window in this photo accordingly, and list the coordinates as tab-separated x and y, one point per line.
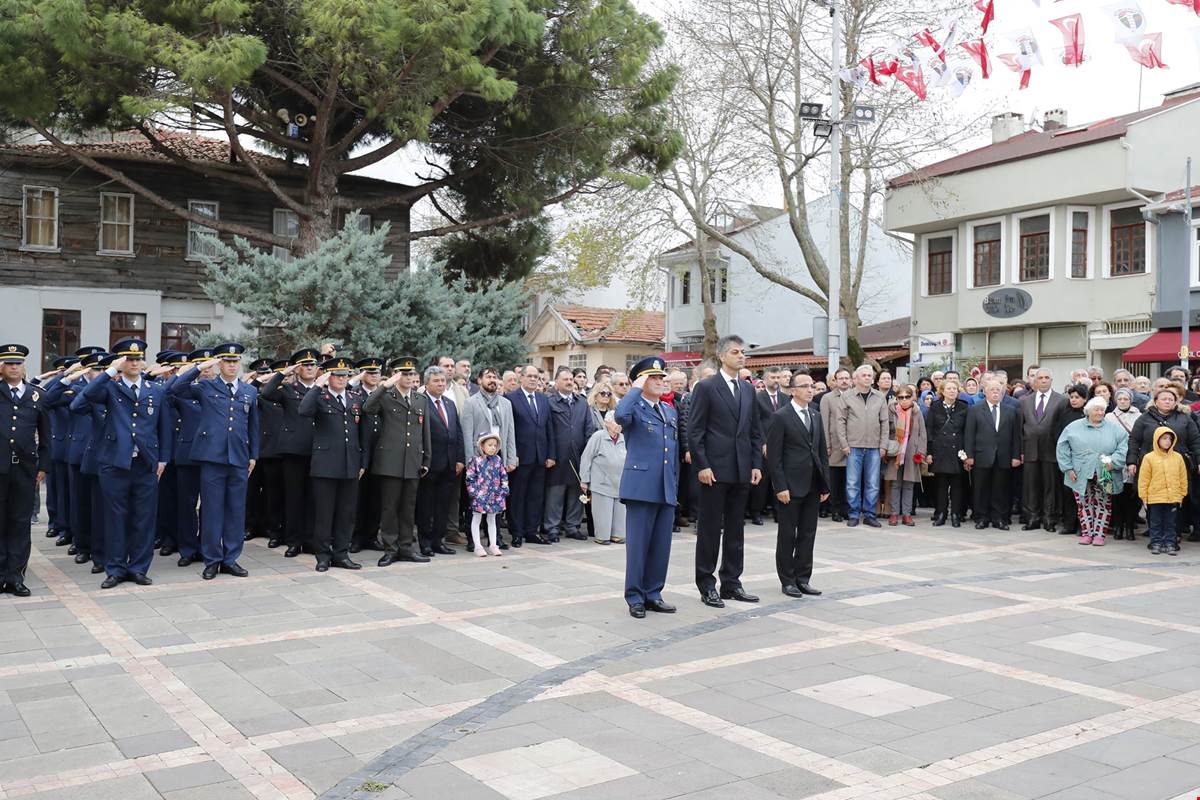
39	218
181	336
1127	242
116	223
940	265
1079	244
630	360
60	335
986	255
125	325
575	360
284	223
685	288
1034	251
718	284
200	244
364	221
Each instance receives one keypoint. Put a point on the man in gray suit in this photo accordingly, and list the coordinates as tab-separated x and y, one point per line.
488	410
1040	490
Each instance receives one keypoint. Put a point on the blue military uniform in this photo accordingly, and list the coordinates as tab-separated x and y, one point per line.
225	445
87	429
25	452
648	490
58	504
166	521
136	440
186	415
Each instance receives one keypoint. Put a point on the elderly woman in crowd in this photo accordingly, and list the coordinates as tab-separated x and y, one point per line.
945	426
600	402
1091	454
903	470
1127	503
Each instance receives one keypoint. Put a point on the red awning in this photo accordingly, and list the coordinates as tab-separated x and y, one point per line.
682	358
1163	346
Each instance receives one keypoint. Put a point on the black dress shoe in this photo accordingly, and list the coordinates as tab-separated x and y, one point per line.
292	552
274	542
72	550
442	550
659	606
386	560
355	547
739	594
537	538
838	518
235	569
578	536
345	563
956	522
515	543
872	522
807	588
637	611
981	525
792	591
142	579
938	520
852	522
186	561
757	520
19	589
51	533
711	598
1032	525
416	558
1001	526
210	571
322	566
167	550
83	558
503	545
62	541
426	551
97	569
110	582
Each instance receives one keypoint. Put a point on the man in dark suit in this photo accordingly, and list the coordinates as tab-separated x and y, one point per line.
1042	478
799	469
446	462
993	446
295	445
570	427
527	483
24	459
773	397
726	447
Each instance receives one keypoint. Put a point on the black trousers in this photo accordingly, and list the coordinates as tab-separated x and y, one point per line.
720	532
58	495
1125	508
370	511
334	501
272	495
82	518
761	497
837	492
256	505
1042	480
951	490
526	500
297	516
16	518
683	492
992	485
166	521
433	506
399	515
795	538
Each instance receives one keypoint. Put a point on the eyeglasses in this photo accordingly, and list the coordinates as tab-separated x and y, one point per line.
904	397
604	394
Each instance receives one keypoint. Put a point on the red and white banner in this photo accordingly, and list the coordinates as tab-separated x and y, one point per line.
1071	28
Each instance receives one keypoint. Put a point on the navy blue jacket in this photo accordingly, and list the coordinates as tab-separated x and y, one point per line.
532	436
140	423
338	434
228	430
187	413
651	450
28	439
725	435
446	441
58	400
90	433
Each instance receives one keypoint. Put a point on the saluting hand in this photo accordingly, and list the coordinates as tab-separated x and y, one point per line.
323	380
120	362
393	380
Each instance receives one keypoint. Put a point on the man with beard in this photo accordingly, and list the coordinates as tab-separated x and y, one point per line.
489	411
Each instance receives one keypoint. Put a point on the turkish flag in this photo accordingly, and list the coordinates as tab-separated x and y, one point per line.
1147	51
872	75
1013	62
988	7
978	50
1071	27
1192	4
912	77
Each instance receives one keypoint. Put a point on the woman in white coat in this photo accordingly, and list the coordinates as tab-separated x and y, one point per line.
600	469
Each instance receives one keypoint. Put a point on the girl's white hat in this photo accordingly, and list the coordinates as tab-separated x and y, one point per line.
484	437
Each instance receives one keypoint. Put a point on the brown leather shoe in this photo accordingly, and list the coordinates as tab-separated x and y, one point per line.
908	520
893	520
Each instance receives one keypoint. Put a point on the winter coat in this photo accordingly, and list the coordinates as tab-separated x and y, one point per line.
945	430
487	484
917	444
831	408
1162	476
603	463
1187	435
1081	446
862	423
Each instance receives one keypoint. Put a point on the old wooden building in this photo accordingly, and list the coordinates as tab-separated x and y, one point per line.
85	261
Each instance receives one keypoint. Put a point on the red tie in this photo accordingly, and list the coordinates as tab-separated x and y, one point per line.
441	412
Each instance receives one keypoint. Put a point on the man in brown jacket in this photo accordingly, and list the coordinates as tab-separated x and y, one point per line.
831	404
862	434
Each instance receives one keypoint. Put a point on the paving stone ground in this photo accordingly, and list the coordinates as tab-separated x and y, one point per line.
940	664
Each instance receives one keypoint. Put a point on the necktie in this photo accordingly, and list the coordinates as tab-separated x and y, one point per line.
441	411
13	390
341	403
230	387
1041	406
996	416
774	401
134	387
733	385
804	417
658	410
532	406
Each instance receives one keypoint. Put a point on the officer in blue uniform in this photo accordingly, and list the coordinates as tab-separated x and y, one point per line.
186	414
648	486
226	447
135	449
87	429
58	502
24	459
166	520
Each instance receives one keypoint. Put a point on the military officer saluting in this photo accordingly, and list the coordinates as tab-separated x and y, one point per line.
294	446
400	457
133	452
368	513
338	461
225	447
648	487
87	430
23	462
258	520
270	464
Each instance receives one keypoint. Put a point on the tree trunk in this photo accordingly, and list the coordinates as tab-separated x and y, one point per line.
321	198
709	350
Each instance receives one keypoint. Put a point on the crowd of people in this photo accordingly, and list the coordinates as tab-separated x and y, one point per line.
191	454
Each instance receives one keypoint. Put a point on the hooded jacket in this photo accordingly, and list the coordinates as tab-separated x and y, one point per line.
1162	477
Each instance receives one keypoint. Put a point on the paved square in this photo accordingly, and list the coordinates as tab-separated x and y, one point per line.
938	665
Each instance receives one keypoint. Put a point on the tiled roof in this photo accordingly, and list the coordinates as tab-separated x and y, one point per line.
1036	143
134	147
894	332
614	324
759	361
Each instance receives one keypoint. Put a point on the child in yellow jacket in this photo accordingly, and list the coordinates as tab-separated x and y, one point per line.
1162	484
